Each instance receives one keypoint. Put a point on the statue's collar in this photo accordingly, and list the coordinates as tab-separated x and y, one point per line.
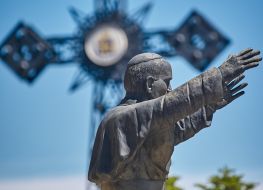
126	102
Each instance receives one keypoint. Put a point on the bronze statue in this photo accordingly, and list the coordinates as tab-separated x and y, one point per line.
136	139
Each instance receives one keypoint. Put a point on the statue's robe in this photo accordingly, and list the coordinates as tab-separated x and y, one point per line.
135	141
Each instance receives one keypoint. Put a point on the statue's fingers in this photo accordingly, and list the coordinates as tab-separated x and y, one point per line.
238	88
250	66
237	95
249	55
236	81
245	51
254	59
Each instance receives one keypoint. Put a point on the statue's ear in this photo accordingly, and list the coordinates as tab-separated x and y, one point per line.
149	83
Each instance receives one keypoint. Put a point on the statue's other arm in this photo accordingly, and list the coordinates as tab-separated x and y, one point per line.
189	126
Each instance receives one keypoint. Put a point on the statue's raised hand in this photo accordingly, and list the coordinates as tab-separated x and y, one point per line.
238	64
231	92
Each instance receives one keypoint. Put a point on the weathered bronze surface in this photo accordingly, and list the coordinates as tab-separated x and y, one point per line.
136	139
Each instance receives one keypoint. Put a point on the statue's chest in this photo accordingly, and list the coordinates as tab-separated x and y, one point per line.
160	144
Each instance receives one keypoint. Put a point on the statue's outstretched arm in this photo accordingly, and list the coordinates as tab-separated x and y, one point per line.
215	87
205	89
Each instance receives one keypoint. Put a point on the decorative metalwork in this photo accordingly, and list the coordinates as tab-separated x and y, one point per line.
197	41
26	52
103	44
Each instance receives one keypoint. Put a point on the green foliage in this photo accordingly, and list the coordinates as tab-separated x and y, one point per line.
170	183
226	180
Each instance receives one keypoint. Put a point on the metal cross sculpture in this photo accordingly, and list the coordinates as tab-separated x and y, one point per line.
103	44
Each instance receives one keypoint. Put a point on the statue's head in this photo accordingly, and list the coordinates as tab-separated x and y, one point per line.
147	76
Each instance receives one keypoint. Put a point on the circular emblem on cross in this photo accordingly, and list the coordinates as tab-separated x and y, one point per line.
106	45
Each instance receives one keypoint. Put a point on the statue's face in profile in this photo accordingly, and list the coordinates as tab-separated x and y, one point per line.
159	85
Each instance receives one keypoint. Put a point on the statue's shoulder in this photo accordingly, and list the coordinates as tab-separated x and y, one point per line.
118	112
129	111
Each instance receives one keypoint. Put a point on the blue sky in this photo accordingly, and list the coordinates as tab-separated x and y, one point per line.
44	128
